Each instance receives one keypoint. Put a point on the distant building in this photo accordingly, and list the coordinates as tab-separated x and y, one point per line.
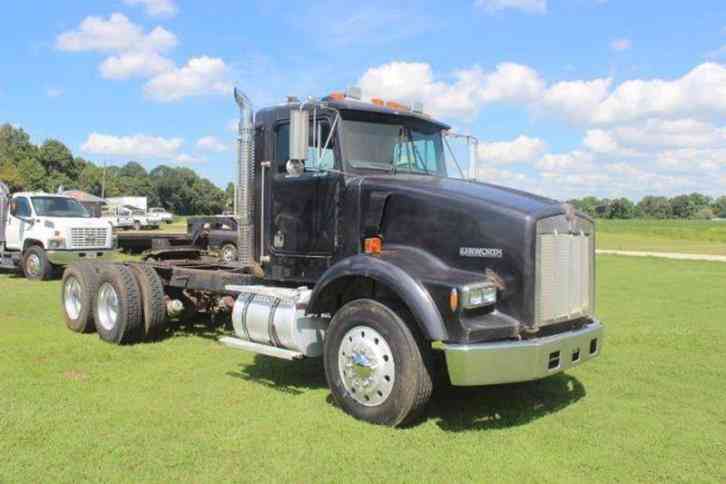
92	203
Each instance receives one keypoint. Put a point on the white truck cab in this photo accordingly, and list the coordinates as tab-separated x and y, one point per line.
41	231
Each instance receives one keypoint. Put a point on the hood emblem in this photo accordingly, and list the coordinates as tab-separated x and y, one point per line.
483	252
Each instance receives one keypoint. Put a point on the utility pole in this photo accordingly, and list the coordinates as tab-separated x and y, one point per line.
103	182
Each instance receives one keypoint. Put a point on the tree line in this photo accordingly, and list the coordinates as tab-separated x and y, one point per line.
25	166
687	206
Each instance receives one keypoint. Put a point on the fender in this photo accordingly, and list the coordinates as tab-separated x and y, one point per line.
410	290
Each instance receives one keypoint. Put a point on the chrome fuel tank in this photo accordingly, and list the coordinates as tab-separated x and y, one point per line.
276	317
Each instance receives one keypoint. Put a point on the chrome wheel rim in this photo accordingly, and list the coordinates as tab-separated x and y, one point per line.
366	366
107	304
33	264
72	297
228	254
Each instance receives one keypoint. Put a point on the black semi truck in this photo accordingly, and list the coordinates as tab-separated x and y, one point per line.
358	243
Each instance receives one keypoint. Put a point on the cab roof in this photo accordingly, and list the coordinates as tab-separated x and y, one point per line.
39	194
348	104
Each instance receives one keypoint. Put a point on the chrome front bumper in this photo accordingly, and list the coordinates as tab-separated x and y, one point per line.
65	257
516	361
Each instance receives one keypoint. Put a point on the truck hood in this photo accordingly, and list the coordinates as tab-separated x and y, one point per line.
476	227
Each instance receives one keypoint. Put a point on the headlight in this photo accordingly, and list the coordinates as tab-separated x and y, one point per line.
56	243
49	224
478	295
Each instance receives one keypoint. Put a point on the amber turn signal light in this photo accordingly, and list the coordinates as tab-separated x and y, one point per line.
454	300
372	245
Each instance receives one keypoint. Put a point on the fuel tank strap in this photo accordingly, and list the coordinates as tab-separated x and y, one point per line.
271	331
243	320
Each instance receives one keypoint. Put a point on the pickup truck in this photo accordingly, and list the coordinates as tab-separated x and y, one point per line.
162	214
118	217
42	232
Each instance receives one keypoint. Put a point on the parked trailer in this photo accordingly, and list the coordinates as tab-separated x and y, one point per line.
357	245
215	234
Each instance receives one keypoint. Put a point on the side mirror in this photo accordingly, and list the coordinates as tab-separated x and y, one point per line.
299	134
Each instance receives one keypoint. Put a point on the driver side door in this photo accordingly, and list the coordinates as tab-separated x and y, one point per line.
16	226
303	219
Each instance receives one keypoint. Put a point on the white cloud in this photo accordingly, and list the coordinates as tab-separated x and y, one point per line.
131	64
575	100
135	53
187	159
620	45
600	141
156	8
519	150
54	92
136	146
472	88
527	6
573	161
702	91
201	75
116	34
212	144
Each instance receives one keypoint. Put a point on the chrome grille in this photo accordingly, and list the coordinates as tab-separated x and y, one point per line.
565	270
87	238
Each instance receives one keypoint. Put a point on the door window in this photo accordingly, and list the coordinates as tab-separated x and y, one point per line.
21	207
321	159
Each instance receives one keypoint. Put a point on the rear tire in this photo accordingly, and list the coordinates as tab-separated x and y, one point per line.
377	368
117	312
78	296
36	265
152	298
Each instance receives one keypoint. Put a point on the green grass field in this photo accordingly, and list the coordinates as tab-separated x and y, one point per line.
686	236
651	408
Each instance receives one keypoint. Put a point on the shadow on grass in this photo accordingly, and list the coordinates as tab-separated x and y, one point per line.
291	377
454	409
458	409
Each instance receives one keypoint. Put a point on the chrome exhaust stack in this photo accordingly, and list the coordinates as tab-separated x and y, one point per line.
245	182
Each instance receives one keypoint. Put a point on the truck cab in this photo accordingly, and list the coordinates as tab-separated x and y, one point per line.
43	231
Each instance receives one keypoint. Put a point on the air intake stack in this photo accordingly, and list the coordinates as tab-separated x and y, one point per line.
246	182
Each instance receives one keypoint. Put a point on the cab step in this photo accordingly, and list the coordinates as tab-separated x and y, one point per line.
240	344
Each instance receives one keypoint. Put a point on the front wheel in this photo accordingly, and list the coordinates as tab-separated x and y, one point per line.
36	265
229	253
377	368
137	226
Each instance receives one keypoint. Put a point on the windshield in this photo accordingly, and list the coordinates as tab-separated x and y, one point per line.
133	210
393	147
59	207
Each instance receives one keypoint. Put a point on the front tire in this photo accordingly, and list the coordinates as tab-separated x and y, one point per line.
36	265
377	368
137	226
229	253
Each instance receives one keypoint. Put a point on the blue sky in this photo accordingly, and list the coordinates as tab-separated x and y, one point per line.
568	97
